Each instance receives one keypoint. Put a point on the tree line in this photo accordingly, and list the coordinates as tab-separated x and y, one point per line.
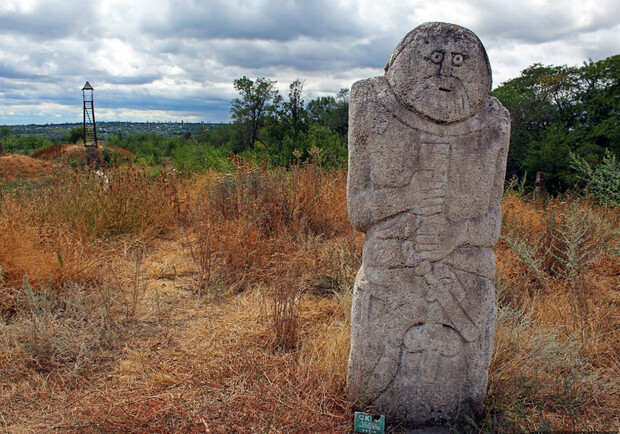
289	130
563	117
266	127
565	123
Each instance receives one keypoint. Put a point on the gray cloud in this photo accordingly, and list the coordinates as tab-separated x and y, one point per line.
10	71
305	54
132	80
277	20
181	57
552	22
51	20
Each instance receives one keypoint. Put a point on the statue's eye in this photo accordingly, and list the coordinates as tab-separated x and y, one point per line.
457	59
436	57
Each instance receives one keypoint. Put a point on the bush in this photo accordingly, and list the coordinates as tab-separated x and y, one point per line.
74	136
191	157
556	284
24	144
603	182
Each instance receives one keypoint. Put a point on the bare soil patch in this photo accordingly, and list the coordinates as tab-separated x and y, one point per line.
13	166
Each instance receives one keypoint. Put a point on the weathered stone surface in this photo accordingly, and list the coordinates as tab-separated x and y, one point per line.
427	159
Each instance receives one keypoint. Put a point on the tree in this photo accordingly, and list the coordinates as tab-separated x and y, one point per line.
319	108
293	111
248	111
600	98
224	136
331	112
5	131
286	130
74	135
557	110
340	119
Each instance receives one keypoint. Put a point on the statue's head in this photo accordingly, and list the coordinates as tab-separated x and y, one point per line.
440	71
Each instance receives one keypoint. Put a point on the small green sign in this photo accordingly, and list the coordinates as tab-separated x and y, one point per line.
368	423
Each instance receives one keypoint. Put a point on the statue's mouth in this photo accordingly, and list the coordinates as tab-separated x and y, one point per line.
443	89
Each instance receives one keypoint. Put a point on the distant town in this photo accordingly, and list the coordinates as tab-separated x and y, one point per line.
56	131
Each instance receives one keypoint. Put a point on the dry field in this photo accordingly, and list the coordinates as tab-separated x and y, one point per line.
220	303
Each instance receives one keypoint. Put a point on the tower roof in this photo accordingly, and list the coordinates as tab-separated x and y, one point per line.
87	86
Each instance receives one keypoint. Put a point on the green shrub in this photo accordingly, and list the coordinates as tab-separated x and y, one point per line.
190	157
603	182
24	144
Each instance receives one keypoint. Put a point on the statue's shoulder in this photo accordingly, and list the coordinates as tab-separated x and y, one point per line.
494	107
369	101
368	90
493	116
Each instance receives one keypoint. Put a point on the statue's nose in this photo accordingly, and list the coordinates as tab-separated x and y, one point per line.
446	65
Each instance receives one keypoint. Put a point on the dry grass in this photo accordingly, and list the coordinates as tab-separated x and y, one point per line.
62	229
556	360
227	309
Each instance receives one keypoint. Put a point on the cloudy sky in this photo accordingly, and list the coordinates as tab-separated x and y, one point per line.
173	60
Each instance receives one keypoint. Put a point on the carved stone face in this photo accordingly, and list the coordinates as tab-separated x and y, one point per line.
441	71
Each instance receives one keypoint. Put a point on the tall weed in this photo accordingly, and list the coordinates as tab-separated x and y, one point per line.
535	372
241	225
281	307
126	202
556	285
556	245
199	240
578	238
63	329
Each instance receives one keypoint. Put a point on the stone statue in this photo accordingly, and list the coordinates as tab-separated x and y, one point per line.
427	160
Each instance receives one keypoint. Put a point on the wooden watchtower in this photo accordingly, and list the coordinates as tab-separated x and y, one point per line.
90	126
